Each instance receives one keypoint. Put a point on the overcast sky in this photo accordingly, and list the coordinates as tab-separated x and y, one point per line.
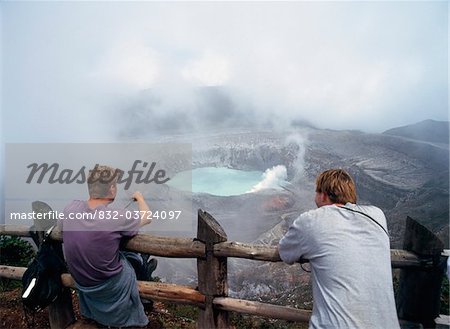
341	65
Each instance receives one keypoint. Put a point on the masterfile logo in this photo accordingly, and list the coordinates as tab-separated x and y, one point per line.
59	173
55	175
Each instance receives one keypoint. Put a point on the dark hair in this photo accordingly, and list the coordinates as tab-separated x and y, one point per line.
338	185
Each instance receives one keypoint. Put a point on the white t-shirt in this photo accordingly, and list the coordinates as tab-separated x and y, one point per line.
350	263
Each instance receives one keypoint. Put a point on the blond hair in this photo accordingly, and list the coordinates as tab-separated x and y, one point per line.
338	185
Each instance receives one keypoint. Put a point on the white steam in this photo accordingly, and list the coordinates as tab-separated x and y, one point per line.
273	178
276	177
299	163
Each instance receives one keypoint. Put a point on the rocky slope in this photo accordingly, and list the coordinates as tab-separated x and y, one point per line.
402	176
429	131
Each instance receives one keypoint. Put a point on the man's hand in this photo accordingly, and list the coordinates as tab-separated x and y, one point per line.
138	196
142	206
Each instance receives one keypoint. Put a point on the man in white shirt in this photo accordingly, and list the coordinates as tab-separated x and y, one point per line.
348	248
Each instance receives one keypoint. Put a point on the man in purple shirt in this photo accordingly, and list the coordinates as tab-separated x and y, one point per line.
92	233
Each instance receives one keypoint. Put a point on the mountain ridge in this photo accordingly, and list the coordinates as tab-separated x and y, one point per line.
427	130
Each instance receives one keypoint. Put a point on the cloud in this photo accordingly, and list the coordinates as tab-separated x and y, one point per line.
209	70
130	64
343	65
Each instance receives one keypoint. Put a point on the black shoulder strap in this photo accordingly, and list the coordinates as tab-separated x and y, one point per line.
360	212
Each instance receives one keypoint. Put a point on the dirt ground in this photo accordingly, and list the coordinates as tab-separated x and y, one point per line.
12	315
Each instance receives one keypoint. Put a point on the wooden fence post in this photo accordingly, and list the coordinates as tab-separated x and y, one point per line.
60	312
418	298
212	273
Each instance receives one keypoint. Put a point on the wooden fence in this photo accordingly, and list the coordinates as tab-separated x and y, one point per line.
421	275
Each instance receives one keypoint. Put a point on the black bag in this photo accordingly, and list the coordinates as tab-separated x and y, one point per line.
42	280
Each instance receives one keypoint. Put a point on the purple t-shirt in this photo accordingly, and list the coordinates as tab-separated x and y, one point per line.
91	245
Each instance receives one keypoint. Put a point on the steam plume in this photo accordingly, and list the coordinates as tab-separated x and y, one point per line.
272	178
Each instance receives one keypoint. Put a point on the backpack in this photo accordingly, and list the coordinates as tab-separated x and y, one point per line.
42	280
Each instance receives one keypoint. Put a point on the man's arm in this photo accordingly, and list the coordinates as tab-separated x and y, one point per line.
291	246
142	206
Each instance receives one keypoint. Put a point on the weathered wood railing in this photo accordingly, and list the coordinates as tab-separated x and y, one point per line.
211	249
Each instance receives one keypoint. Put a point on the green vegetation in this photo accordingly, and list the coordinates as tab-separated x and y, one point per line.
14	251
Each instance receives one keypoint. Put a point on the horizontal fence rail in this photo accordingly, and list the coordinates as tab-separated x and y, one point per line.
191	248
169	292
212	250
262	309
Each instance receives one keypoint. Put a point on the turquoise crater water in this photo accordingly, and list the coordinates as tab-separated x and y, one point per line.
217	181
